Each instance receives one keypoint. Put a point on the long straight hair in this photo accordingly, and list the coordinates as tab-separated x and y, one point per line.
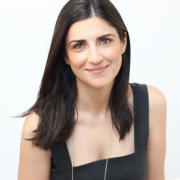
55	104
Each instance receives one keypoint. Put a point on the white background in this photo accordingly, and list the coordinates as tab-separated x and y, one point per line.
26	28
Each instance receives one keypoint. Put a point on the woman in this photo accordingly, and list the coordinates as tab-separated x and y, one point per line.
88	121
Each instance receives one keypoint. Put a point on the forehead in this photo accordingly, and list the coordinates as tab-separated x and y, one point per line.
87	28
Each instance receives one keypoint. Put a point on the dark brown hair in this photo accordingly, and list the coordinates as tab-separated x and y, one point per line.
56	98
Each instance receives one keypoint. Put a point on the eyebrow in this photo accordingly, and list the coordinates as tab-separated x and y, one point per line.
84	40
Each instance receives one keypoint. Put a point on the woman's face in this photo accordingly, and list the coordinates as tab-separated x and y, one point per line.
92	43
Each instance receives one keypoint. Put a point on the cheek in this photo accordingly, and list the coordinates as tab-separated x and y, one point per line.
112	54
77	60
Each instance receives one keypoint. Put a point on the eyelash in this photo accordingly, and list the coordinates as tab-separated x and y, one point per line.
74	47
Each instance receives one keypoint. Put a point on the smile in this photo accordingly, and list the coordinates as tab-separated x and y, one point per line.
98	71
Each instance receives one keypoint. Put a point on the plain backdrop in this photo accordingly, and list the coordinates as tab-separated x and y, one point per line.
26	29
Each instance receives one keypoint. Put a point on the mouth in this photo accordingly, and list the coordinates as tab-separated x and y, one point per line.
98	70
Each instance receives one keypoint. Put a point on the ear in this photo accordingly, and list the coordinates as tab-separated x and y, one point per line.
124	43
66	59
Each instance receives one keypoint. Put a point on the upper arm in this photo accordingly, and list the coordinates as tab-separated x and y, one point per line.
34	162
156	146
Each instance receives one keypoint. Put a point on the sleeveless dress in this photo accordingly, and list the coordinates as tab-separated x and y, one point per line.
129	167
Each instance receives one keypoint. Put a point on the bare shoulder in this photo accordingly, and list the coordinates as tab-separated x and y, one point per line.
157	100
156	146
31	123
34	162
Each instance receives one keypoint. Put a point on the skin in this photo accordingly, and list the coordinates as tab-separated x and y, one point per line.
93	90
94	118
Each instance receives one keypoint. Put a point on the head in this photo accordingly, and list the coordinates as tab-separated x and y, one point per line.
91	43
103	40
87	21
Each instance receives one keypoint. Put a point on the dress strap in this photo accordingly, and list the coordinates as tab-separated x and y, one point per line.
141	117
60	155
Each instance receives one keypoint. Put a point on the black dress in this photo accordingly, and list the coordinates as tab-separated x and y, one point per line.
128	167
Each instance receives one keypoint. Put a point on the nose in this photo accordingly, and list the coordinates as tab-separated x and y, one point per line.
94	55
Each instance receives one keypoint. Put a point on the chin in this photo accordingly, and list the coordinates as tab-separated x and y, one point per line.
101	83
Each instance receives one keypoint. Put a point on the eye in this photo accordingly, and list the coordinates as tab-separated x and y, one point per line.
106	41
78	46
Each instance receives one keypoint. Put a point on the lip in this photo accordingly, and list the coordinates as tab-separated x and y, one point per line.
98	70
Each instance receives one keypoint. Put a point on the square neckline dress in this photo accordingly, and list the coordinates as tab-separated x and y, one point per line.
128	167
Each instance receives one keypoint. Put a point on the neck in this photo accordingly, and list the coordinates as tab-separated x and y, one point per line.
93	102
